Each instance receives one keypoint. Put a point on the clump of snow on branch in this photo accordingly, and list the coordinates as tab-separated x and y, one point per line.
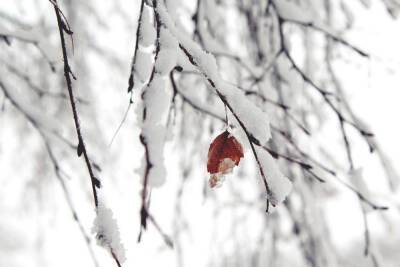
107	233
254	119
147	32
167	57
155	105
143	65
279	185
156	100
155	137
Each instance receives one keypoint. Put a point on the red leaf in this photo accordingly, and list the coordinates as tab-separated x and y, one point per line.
224	153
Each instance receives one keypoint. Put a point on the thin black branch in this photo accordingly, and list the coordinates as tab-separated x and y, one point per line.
63	26
139	23
335	38
144	210
290	159
301	152
325	94
192	103
250	137
67	73
361	196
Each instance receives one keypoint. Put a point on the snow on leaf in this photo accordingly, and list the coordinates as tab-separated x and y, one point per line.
224	154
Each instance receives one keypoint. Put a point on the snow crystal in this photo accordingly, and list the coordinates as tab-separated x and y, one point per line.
107	232
147	32
279	185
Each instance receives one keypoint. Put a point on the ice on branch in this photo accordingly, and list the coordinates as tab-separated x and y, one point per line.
107	233
279	185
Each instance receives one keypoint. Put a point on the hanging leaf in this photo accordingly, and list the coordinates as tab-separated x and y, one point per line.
224	153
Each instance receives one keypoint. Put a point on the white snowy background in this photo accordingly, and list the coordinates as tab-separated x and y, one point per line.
36	226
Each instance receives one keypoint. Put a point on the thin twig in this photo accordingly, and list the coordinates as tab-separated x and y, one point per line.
63	26
250	137
67	73
139	23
